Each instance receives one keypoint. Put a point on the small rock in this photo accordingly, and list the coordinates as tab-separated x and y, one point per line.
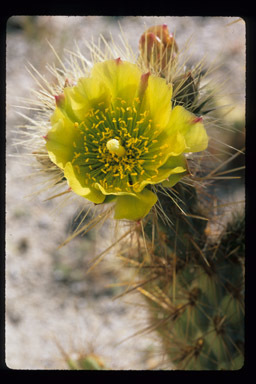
23	245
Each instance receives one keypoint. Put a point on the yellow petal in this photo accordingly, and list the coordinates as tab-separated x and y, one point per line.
173	179
134	207
157	100
60	139
77	184
174	165
120	77
88	93
113	191
176	144
192	129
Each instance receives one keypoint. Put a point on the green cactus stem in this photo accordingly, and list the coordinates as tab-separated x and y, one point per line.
196	298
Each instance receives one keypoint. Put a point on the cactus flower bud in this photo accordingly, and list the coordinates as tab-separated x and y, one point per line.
158	48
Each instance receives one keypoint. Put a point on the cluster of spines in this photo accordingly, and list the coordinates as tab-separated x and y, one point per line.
195	294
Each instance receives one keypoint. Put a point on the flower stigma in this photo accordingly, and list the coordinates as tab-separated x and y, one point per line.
115	148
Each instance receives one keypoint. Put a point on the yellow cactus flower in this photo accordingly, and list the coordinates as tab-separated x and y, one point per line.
115	133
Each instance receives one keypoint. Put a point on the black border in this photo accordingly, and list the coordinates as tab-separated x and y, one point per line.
77	8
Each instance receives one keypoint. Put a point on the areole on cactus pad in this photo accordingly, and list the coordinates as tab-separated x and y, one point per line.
115	134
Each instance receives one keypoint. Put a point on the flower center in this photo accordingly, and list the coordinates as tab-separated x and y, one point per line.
117	147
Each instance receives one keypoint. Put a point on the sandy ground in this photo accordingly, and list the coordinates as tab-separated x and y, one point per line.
49	300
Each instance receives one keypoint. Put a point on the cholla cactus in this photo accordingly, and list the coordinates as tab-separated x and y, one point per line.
121	133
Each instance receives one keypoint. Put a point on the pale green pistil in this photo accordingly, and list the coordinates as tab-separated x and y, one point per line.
115	147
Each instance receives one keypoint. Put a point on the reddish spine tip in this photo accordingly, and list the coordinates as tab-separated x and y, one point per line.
118	60
59	99
197	120
45	137
143	83
144	77
66	84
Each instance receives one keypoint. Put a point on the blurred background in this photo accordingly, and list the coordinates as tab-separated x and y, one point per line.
50	304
